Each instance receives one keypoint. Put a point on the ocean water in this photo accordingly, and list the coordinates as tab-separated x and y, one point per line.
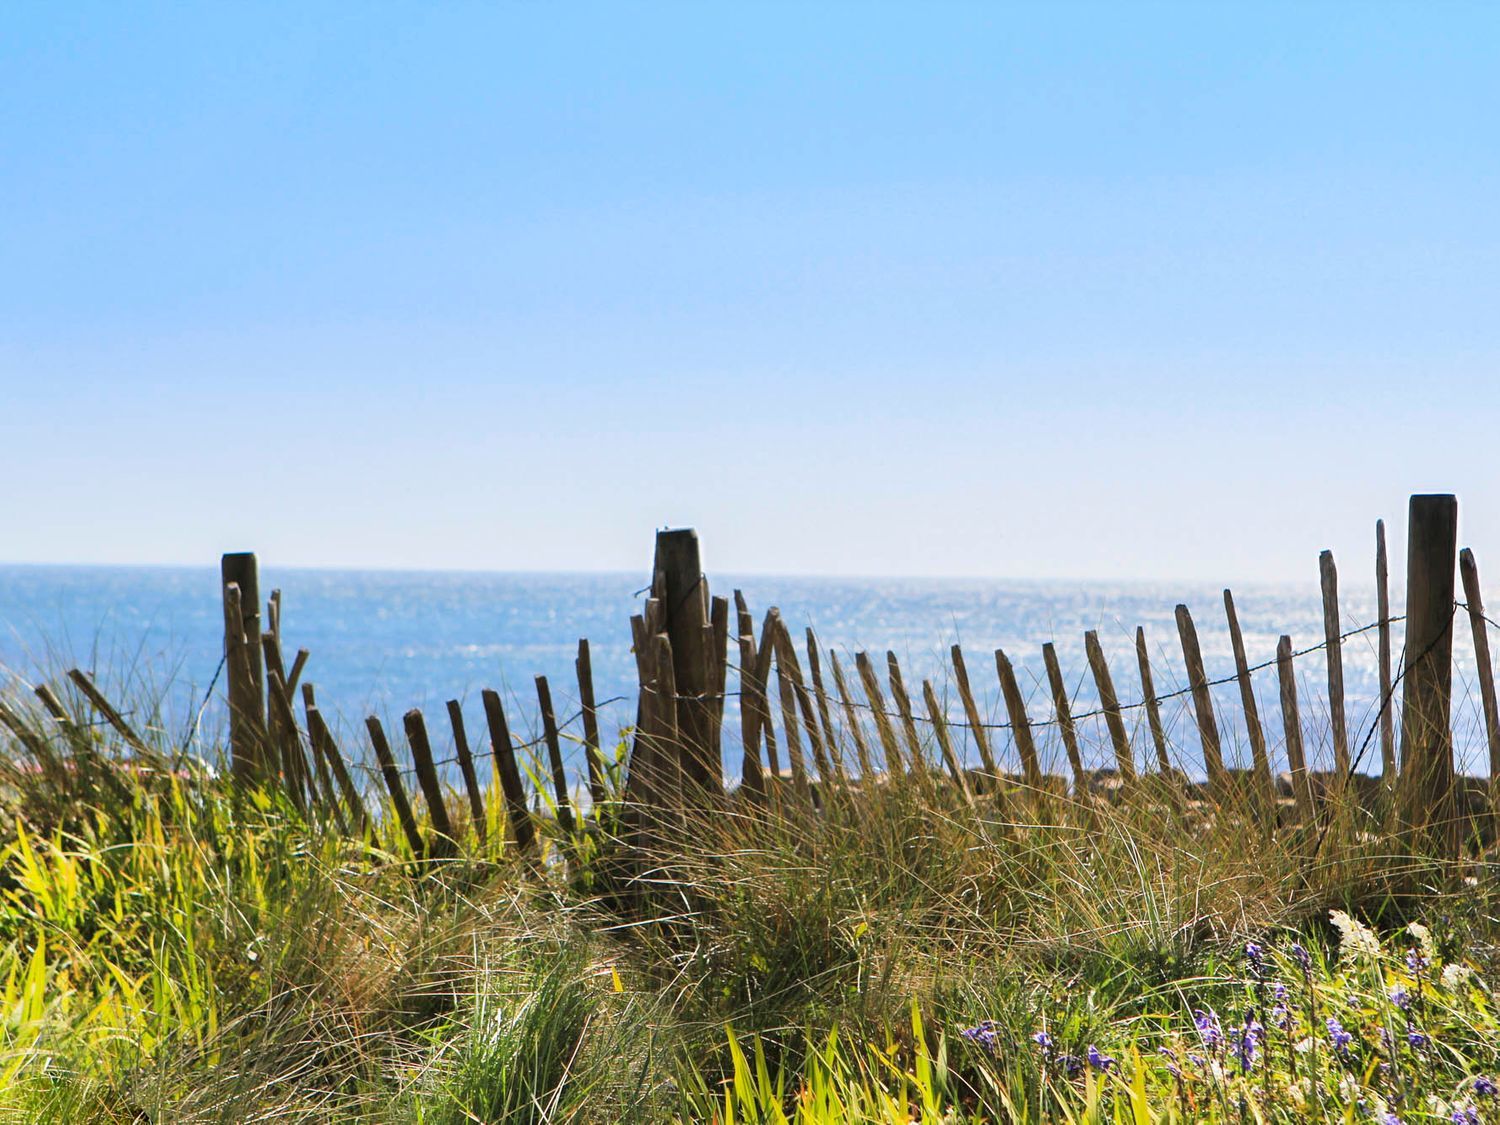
384	641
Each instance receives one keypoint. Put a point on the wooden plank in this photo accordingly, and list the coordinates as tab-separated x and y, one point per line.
1427	775
282	726
892	752
1291	723
243	669
584	667
1020	723
432	789
323	771
393	786
1065	719
787	696
971	710
105	708
466	768
667	734
903	709
1153	706
718	672
1203	703
752	774
319	779
1387	690
786	654
1261	762
1468	569
1334	647
517	816
554	756
322	738
294	676
825	718
763	654
1113	720
248	740
945	744
851	720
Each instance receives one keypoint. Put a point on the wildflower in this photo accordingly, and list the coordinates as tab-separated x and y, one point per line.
1485	1087
1302	957
1355	938
1279	992
1208	1026
1072	1065
1416	960
1401	998
983	1035
1247	1042
1339	1038
1099	1060
1171	1061
1389	1118
1280	1017
1455	974
1424	940
1044	1041
1256	956
1416	1039
1465	1115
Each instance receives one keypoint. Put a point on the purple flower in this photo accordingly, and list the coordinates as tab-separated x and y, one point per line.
1485	1087
1302	956
1208	1026
1256	956
1247	1042
1279	992
1389	1118
1416	1039
1416	961
1280	1017
984	1035
1401	998
1465	1115
1044	1041
1099	1060
1339	1037
1072	1065
1171	1059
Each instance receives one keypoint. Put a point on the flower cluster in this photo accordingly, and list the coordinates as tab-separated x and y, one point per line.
1376	1033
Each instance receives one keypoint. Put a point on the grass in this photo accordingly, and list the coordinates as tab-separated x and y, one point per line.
175	949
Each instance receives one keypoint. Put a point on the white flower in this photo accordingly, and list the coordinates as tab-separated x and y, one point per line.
1455	975
1355	939
1349	1089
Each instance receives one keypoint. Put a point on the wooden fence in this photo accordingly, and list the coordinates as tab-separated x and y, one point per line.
862	728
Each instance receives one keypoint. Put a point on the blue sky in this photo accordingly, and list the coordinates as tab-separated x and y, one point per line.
1113	290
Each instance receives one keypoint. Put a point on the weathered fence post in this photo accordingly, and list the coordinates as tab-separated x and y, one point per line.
1387	710
1328	576
688	625
1469	570
1426	738
242	662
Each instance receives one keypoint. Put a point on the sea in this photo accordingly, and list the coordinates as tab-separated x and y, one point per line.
382	642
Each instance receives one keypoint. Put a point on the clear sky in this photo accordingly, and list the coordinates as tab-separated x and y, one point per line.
1021	290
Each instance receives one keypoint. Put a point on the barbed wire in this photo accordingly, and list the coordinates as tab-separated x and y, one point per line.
1056	721
410	771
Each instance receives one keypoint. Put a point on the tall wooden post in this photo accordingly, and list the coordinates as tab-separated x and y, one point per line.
1427	691
246	672
689	627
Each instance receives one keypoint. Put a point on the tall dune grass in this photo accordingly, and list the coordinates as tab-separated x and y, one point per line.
175	949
